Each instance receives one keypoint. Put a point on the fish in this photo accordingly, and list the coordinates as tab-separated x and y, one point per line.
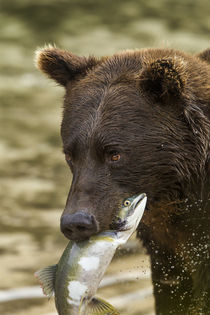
75	279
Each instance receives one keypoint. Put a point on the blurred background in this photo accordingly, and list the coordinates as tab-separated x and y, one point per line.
34	179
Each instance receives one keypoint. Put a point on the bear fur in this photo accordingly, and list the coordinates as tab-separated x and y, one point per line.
135	122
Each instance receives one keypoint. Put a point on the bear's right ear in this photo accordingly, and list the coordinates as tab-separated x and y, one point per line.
205	55
62	66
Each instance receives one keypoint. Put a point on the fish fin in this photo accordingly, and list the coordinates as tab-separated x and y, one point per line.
46	277
98	306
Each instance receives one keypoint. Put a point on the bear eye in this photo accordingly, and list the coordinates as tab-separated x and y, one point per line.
127	203
112	156
68	157
115	157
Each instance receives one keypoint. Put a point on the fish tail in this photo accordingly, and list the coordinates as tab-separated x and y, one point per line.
98	306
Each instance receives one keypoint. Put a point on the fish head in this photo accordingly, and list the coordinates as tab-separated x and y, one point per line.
130	213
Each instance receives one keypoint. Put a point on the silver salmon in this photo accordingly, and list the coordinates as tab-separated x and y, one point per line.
75	279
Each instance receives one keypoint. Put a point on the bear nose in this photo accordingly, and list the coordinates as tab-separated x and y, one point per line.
78	226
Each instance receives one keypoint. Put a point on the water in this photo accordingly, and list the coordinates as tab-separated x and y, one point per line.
34	180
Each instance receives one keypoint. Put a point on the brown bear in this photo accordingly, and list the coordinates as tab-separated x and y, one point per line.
138	122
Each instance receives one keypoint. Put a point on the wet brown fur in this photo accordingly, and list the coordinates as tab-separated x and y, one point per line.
152	107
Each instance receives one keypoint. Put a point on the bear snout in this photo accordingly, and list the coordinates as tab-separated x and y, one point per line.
78	226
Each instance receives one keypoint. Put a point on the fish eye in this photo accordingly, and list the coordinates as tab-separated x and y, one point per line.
127	203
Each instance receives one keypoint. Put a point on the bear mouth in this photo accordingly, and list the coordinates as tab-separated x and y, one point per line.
118	225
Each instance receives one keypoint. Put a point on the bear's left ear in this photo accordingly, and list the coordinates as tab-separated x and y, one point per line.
163	78
61	65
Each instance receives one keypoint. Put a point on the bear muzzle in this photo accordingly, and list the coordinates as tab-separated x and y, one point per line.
78	226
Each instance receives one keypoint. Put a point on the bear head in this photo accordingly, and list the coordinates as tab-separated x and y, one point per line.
135	122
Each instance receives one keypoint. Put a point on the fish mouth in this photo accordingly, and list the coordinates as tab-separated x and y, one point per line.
136	201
